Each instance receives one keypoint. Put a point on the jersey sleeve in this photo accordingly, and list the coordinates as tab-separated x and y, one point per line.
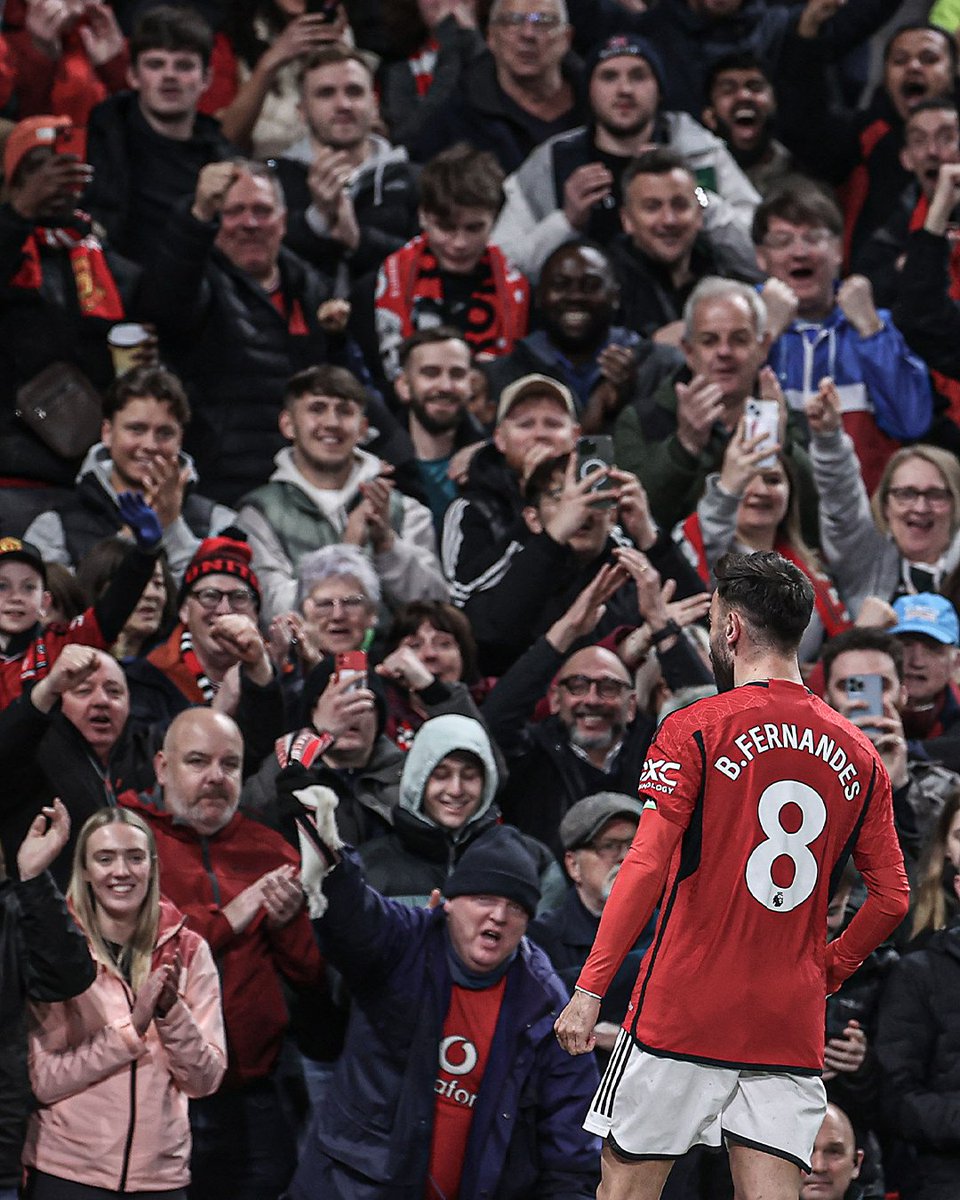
879	860
670	783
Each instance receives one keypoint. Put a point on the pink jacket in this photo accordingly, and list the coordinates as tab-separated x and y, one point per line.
113	1105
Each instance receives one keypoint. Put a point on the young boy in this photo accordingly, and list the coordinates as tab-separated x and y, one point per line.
27	649
449	274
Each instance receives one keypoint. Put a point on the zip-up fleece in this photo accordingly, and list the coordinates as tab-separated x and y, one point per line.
112	1104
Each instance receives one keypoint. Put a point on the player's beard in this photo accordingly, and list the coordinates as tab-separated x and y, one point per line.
721	660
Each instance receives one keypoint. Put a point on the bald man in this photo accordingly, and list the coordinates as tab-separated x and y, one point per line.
593	740
836	1160
238	882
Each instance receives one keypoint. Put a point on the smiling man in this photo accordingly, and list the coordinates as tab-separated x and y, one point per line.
451	1078
140	449
741	107
237	882
823	326
325	489
348	190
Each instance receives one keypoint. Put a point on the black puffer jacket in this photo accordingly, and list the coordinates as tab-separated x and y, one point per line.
918	1045
233	350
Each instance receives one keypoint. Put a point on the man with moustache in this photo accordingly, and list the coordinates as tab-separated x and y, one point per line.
434	386
733	787
237	882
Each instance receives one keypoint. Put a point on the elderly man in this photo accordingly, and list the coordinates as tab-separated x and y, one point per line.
680	438
521	93
571	185
237	883
596	835
215	654
237	315
451	1082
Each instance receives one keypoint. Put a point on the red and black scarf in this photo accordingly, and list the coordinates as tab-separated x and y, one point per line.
97	292
498	309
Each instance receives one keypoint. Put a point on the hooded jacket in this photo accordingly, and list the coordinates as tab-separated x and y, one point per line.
120	1095
385	196
288	517
418	855
65	536
532	223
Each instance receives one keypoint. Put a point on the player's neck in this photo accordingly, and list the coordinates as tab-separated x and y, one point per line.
768	666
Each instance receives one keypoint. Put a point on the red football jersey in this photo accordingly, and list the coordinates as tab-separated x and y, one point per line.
760	795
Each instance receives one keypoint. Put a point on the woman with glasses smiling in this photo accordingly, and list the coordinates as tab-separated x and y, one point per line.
905	540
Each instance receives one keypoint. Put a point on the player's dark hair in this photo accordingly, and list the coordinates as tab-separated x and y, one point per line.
325	380
168	27
800	202
461	177
775	596
430	337
865	638
148	383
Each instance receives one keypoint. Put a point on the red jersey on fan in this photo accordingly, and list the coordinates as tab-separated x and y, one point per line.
755	798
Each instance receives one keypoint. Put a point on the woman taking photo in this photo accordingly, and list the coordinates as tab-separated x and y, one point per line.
112	1069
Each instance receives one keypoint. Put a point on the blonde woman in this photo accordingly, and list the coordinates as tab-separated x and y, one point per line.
113	1069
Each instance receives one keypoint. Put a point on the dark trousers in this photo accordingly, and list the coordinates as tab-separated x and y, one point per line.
244	1143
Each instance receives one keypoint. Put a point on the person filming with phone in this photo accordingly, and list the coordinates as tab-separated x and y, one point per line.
865	673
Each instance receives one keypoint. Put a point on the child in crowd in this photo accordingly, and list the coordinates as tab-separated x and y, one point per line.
449	274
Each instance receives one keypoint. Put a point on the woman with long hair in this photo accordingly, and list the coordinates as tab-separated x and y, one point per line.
156	609
934	901
113	1069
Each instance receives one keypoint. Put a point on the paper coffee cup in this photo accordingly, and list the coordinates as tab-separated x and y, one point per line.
124	342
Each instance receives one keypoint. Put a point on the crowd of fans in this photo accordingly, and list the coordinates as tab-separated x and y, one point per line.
380	382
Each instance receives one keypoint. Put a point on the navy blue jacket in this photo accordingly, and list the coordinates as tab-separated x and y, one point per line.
372	1137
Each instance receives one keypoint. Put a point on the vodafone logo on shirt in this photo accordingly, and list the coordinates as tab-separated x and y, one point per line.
658	775
458	1057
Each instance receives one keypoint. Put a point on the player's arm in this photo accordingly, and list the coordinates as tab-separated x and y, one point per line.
879	860
636	891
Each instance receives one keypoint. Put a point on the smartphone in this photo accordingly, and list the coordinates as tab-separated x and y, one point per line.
868	690
352	664
592	453
326	8
763	417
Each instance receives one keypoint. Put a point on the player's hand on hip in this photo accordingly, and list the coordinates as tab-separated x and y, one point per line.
575	1025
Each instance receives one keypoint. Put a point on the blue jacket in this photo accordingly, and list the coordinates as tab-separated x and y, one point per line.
372	1137
878	372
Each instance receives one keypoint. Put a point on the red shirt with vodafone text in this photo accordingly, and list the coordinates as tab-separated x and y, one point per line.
755	798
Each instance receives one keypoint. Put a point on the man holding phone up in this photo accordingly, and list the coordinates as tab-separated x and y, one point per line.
863	673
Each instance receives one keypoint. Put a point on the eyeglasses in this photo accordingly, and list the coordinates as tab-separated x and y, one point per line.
610	847
811	238
350	604
607	689
239	600
536	22
936	497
